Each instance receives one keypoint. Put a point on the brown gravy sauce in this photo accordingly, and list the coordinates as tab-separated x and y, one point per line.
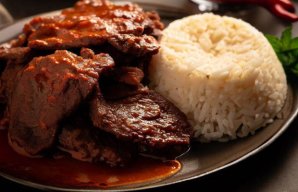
66	172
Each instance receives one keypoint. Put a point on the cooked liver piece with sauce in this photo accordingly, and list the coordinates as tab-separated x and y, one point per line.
147	119
44	84
46	91
122	82
93	23
17	54
86	143
7	84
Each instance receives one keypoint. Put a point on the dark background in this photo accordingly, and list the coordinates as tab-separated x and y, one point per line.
275	169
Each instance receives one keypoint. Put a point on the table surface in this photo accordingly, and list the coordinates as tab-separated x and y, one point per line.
275	169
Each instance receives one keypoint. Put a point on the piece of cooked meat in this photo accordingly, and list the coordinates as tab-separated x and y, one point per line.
8	79
124	59
46	91
15	50
86	143
95	22
147	119
4	117
20	41
131	15
128	75
137	45
122	82
16	54
7	84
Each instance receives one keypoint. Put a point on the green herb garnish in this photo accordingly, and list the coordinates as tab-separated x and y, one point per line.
286	48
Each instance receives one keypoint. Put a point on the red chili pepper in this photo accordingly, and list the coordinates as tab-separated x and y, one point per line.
281	8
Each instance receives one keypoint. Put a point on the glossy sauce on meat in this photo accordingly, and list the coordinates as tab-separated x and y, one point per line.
46	91
69	173
46	81
146	119
93	23
86	143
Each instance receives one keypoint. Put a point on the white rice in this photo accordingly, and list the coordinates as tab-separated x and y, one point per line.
222	73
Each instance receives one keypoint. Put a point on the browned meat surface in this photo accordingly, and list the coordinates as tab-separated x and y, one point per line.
128	75
122	82
124	59
8	80
46	91
17	54
96	107
129	17
20	41
7	84
146	119
4	118
13	58
15	50
86	143
95	22
137	45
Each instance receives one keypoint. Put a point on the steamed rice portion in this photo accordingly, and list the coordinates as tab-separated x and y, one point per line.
222	73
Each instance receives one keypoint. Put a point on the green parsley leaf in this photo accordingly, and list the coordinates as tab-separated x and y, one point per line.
275	42
286	49
286	38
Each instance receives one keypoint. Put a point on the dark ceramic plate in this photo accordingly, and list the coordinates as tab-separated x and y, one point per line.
203	159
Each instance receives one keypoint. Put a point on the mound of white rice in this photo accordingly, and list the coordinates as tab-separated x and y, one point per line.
222	73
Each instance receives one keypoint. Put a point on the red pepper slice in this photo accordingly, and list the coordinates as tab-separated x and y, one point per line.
284	9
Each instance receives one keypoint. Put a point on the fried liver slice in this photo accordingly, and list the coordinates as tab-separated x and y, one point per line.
17	54
15	50
147	119
7	84
122	82
8	79
46	91
86	143
95	22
